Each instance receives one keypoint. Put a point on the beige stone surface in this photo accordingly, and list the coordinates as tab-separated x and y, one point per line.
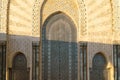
3	15
97	22
20	17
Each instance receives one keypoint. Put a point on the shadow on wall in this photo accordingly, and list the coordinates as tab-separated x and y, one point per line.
64	55
3	37
15	43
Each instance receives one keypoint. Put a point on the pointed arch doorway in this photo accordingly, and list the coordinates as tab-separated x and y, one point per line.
19	69
99	68
59	48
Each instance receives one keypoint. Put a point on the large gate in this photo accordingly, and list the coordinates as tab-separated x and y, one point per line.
59	49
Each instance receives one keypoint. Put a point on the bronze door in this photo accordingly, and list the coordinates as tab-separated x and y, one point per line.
59	61
59	50
60	64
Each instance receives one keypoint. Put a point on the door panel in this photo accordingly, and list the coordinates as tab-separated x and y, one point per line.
60	61
54	60
64	60
73	62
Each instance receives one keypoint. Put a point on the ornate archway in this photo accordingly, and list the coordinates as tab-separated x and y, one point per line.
19	69
99	71
59	48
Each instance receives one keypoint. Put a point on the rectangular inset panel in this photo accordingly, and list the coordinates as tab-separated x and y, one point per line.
83	60
35	50
2	60
54	63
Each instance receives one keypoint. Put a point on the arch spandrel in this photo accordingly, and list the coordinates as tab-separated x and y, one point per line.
71	8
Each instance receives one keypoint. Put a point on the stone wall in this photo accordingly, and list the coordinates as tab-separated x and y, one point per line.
116	21
97	23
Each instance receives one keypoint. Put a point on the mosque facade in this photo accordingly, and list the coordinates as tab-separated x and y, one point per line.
59	40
